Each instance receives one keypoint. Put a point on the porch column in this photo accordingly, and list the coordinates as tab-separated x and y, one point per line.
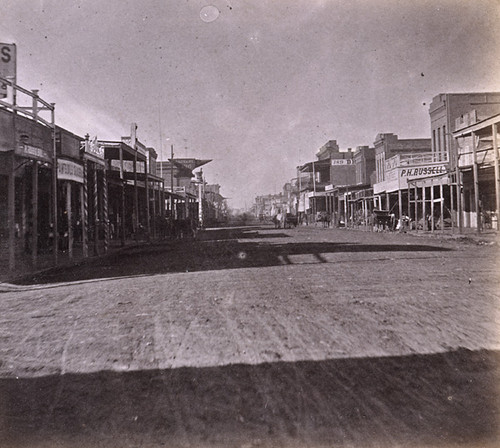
476	184
364	212
497	172
432	206
441	196
84	212
452	201
148	220
69	217
162	200
339	208
34	201
11	212
122	208
423	209
400	207
136	196
458	188
122	212
154	210
96	213
416	205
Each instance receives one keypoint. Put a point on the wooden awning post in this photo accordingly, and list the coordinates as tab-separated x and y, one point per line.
494	130
476	184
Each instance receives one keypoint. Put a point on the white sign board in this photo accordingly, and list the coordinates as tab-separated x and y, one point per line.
336	162
7	65
68	170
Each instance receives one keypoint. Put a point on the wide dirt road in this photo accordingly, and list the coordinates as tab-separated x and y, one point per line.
258	338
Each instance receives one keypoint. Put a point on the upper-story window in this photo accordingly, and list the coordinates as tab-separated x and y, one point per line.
445	156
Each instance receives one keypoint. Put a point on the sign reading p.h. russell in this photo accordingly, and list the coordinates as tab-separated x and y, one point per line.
423	171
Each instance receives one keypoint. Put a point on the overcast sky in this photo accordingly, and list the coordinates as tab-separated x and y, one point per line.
256	85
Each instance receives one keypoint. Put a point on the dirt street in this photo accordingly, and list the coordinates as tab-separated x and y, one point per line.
255	337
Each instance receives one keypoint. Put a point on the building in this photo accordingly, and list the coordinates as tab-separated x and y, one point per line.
396	162
183	192
267	206
478	165
333	167
214	205
28	179
468	108
448	113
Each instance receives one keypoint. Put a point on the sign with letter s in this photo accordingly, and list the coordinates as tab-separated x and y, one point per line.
7	65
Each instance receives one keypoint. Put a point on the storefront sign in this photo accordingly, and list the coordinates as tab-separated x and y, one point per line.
68	170
404	174
93	148
7	65
392	163
422	171
8	60
33	152
341	162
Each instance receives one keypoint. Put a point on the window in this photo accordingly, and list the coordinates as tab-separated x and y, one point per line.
444	144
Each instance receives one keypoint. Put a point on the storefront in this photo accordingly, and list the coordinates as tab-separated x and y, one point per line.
28	218
478	174
415	187
70	176
95	222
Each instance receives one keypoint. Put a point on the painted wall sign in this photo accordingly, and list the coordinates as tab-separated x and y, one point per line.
68	170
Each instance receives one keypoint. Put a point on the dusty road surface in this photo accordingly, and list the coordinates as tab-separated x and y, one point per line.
258	338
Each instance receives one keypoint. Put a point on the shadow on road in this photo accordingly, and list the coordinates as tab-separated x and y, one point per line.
440	400
238	233
214	250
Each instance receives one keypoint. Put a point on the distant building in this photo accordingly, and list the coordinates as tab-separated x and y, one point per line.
215	208
364	165
181	175
333	167
183	194
267	206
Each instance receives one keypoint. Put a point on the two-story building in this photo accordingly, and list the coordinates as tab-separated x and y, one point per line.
332	168
450	112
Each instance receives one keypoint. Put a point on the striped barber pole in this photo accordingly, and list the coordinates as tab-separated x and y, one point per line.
96	212
105	210
85	218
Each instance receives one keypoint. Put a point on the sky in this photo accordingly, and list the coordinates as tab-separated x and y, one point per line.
258	86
